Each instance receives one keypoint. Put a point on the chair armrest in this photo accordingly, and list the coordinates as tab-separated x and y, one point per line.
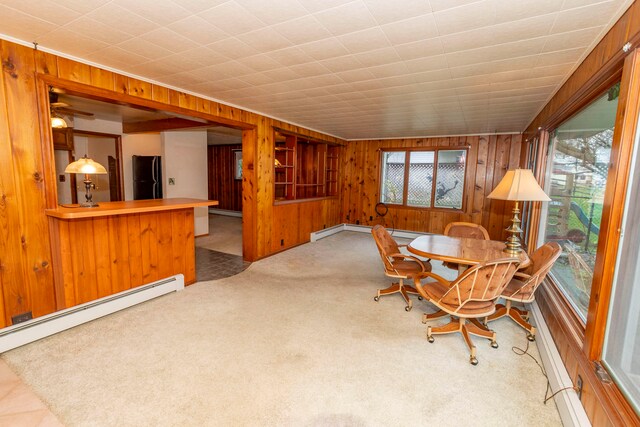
424	274
522	275
411	257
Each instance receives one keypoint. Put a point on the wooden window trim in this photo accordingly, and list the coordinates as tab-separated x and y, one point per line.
407	152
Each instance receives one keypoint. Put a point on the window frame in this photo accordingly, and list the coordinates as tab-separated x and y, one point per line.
434	181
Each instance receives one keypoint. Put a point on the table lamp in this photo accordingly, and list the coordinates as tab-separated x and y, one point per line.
86	166
520	186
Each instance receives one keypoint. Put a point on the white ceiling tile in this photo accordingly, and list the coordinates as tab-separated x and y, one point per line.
521	9
551	70
419	49
319	5
197	6
261	62
364	41
431	63
124	20
389	70
559	57
347	18
411	30
144	48
302	30
584	17
290	56
310	69
570	40
22	26
206	56
81	6
232	18
385	11
98	30
71	42
121	55
341	64
265	40
169	40
233	48
274	12
324	49
161	12
46	10
197	30
377	57
496	53
466	17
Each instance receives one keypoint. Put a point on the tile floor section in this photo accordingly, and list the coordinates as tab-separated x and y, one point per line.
19	406
212	265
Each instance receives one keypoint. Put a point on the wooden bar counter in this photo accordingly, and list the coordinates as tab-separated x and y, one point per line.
120	245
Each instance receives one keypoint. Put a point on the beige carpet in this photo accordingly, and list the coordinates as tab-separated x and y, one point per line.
295	340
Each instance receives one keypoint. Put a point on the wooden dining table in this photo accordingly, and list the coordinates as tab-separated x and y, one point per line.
461	250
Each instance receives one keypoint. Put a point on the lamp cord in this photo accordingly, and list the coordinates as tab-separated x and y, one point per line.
520	352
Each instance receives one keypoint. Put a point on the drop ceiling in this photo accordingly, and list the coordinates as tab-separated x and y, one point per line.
355	69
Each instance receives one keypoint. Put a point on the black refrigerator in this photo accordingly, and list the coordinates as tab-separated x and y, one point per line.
147	177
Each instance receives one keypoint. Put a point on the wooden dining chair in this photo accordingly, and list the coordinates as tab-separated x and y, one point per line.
471	296
397	265
522	287
464	229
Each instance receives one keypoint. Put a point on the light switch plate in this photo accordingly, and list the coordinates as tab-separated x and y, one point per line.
172	181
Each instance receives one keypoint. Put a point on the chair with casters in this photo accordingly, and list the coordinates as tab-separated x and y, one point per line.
464	229
523	286
397	265
468	298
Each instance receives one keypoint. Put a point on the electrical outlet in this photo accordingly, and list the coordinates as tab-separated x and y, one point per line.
579	387
22	317
281	242
172	181
370	217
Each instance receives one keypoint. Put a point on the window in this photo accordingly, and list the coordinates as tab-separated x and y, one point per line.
576	179
622	342
434	178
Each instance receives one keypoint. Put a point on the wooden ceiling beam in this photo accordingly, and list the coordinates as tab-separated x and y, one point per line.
162	125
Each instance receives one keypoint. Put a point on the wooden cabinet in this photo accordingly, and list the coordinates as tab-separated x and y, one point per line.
304	168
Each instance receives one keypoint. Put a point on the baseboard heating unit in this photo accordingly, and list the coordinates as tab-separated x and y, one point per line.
41	327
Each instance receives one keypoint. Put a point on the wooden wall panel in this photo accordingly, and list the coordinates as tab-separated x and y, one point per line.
103	255
34	291
27	183
222	185
489	158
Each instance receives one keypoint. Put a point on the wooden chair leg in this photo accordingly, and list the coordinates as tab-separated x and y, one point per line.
431	316
395	287
501	311
517	317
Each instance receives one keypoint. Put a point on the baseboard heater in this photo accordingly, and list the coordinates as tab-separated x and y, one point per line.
321	234
41	327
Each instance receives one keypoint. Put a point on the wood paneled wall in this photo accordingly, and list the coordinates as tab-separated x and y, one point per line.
27	177
104	255
490	156
223	187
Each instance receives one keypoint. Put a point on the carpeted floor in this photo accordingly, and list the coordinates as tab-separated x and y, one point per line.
294	340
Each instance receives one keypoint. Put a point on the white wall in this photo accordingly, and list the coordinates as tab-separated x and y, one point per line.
64	188
185	160
97	125
143	144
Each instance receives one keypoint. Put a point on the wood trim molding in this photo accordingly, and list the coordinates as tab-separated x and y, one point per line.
614	204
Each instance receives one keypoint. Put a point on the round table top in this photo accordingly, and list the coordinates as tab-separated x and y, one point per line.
461	250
